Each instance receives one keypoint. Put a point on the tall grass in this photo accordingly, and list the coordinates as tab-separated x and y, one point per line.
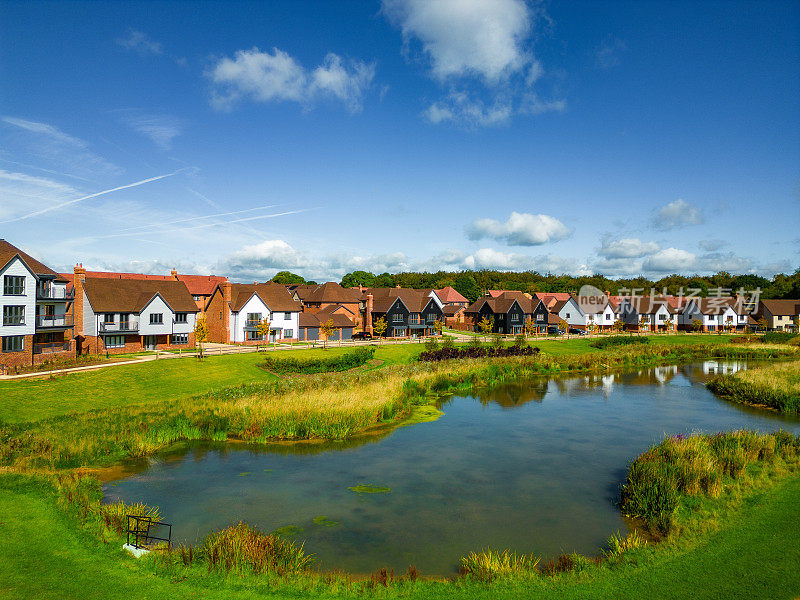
618	340
337	362
329	406
489	564
775	385
696	466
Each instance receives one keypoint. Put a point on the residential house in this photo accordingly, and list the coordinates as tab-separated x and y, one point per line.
235	311
454	315
647	313
449	295
311	324
569	311
114	315
715	314
601	313
200	286
780	315
509	312
326	295
408	312
35	305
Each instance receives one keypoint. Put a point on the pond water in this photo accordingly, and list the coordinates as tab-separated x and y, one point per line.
535	466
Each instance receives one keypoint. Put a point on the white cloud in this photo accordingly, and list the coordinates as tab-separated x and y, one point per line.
521	229
670	260
141	43
626	248
485	38
715	262
481	52
618	267
276	76
22	193
161	129
677	214
607	54
712	245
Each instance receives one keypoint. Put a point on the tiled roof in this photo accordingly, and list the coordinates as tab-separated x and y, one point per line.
449	294
70	277
9	251
201	285
132	295
450	310
332	292
384	298
782	307
316	319
274	295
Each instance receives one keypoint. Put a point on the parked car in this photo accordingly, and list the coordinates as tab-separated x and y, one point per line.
554	330
577	331
362	335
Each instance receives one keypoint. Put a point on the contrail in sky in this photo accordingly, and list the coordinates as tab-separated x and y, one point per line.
95	195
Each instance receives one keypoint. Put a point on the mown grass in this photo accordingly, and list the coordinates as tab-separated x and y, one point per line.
775	385
305	364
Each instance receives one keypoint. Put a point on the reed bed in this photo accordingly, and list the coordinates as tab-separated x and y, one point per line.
776	385
329	406
489	564
693	467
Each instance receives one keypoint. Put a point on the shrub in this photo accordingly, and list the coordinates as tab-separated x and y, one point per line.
431	344
519	341
448	343
476	352
619	544
497	341
474	342
618	340
340	362
778	337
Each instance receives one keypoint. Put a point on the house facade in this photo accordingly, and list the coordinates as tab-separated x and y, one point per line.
236	310
115	316
408	312
601	313
647	313
715	314
780	315
36	322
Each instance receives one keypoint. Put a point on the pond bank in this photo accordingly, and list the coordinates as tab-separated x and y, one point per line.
774	386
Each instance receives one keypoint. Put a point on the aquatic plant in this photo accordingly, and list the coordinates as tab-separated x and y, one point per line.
489	564
368	488
325	521
619	544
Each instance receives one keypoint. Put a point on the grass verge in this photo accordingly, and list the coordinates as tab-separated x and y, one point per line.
775	385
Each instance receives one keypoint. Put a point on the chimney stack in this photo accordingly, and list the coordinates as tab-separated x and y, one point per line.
368	315
174	273
77	303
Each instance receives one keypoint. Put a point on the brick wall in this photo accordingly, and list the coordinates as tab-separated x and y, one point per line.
18	359
218	317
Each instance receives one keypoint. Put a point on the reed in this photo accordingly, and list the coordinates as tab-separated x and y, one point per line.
489	564
696	466
776	385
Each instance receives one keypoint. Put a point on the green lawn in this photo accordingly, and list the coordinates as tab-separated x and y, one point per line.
44	554
169	379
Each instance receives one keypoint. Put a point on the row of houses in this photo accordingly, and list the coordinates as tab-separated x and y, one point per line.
515	312
48	314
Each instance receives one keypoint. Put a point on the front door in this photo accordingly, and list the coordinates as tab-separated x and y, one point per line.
149	342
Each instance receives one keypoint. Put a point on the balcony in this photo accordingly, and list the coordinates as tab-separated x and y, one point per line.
54	321
251	325
52	348
127	326
54	293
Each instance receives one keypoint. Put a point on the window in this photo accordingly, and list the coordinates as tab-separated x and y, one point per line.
108	318
253	336
13	285
124	320
254	318
181	317
661	317
287	316
14	343
431	318
287	333
196	298
567	316
540	317
13	315
397	318
156	318
515	318
114	341
179	339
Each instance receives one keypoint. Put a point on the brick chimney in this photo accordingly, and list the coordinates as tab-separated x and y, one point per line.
174	274
397	286
360	289
226	310
368	315
77	303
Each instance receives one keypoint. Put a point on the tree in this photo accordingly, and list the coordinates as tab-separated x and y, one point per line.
384	280
287	278
200	334
644	322
530	326
357	278
668	324
326	329
379	326
438	325
467	286
697	325
485	325
618	325
263	329
519	341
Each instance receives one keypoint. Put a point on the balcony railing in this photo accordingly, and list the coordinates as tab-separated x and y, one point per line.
52	348
251	325
55	321
128	326
54	293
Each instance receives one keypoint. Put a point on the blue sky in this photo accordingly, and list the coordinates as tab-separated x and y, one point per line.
322	137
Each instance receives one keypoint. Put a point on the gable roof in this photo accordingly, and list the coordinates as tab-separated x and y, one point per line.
647	305
9	251
496	305
782	307
70	277
132	295
331	292
201	285
316	319
332	309
450	310
593	305
274	295
383	298
449	294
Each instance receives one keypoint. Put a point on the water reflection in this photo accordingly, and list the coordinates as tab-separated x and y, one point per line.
534	466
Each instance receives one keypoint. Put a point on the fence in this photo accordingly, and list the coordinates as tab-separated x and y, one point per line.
140	529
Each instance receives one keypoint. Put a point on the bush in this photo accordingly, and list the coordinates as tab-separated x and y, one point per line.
519	341
618	340
448	343
480	352
474	342
778	337
340	362
491	564
497	341
431	344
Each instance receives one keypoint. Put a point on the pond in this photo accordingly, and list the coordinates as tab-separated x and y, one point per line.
535	467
